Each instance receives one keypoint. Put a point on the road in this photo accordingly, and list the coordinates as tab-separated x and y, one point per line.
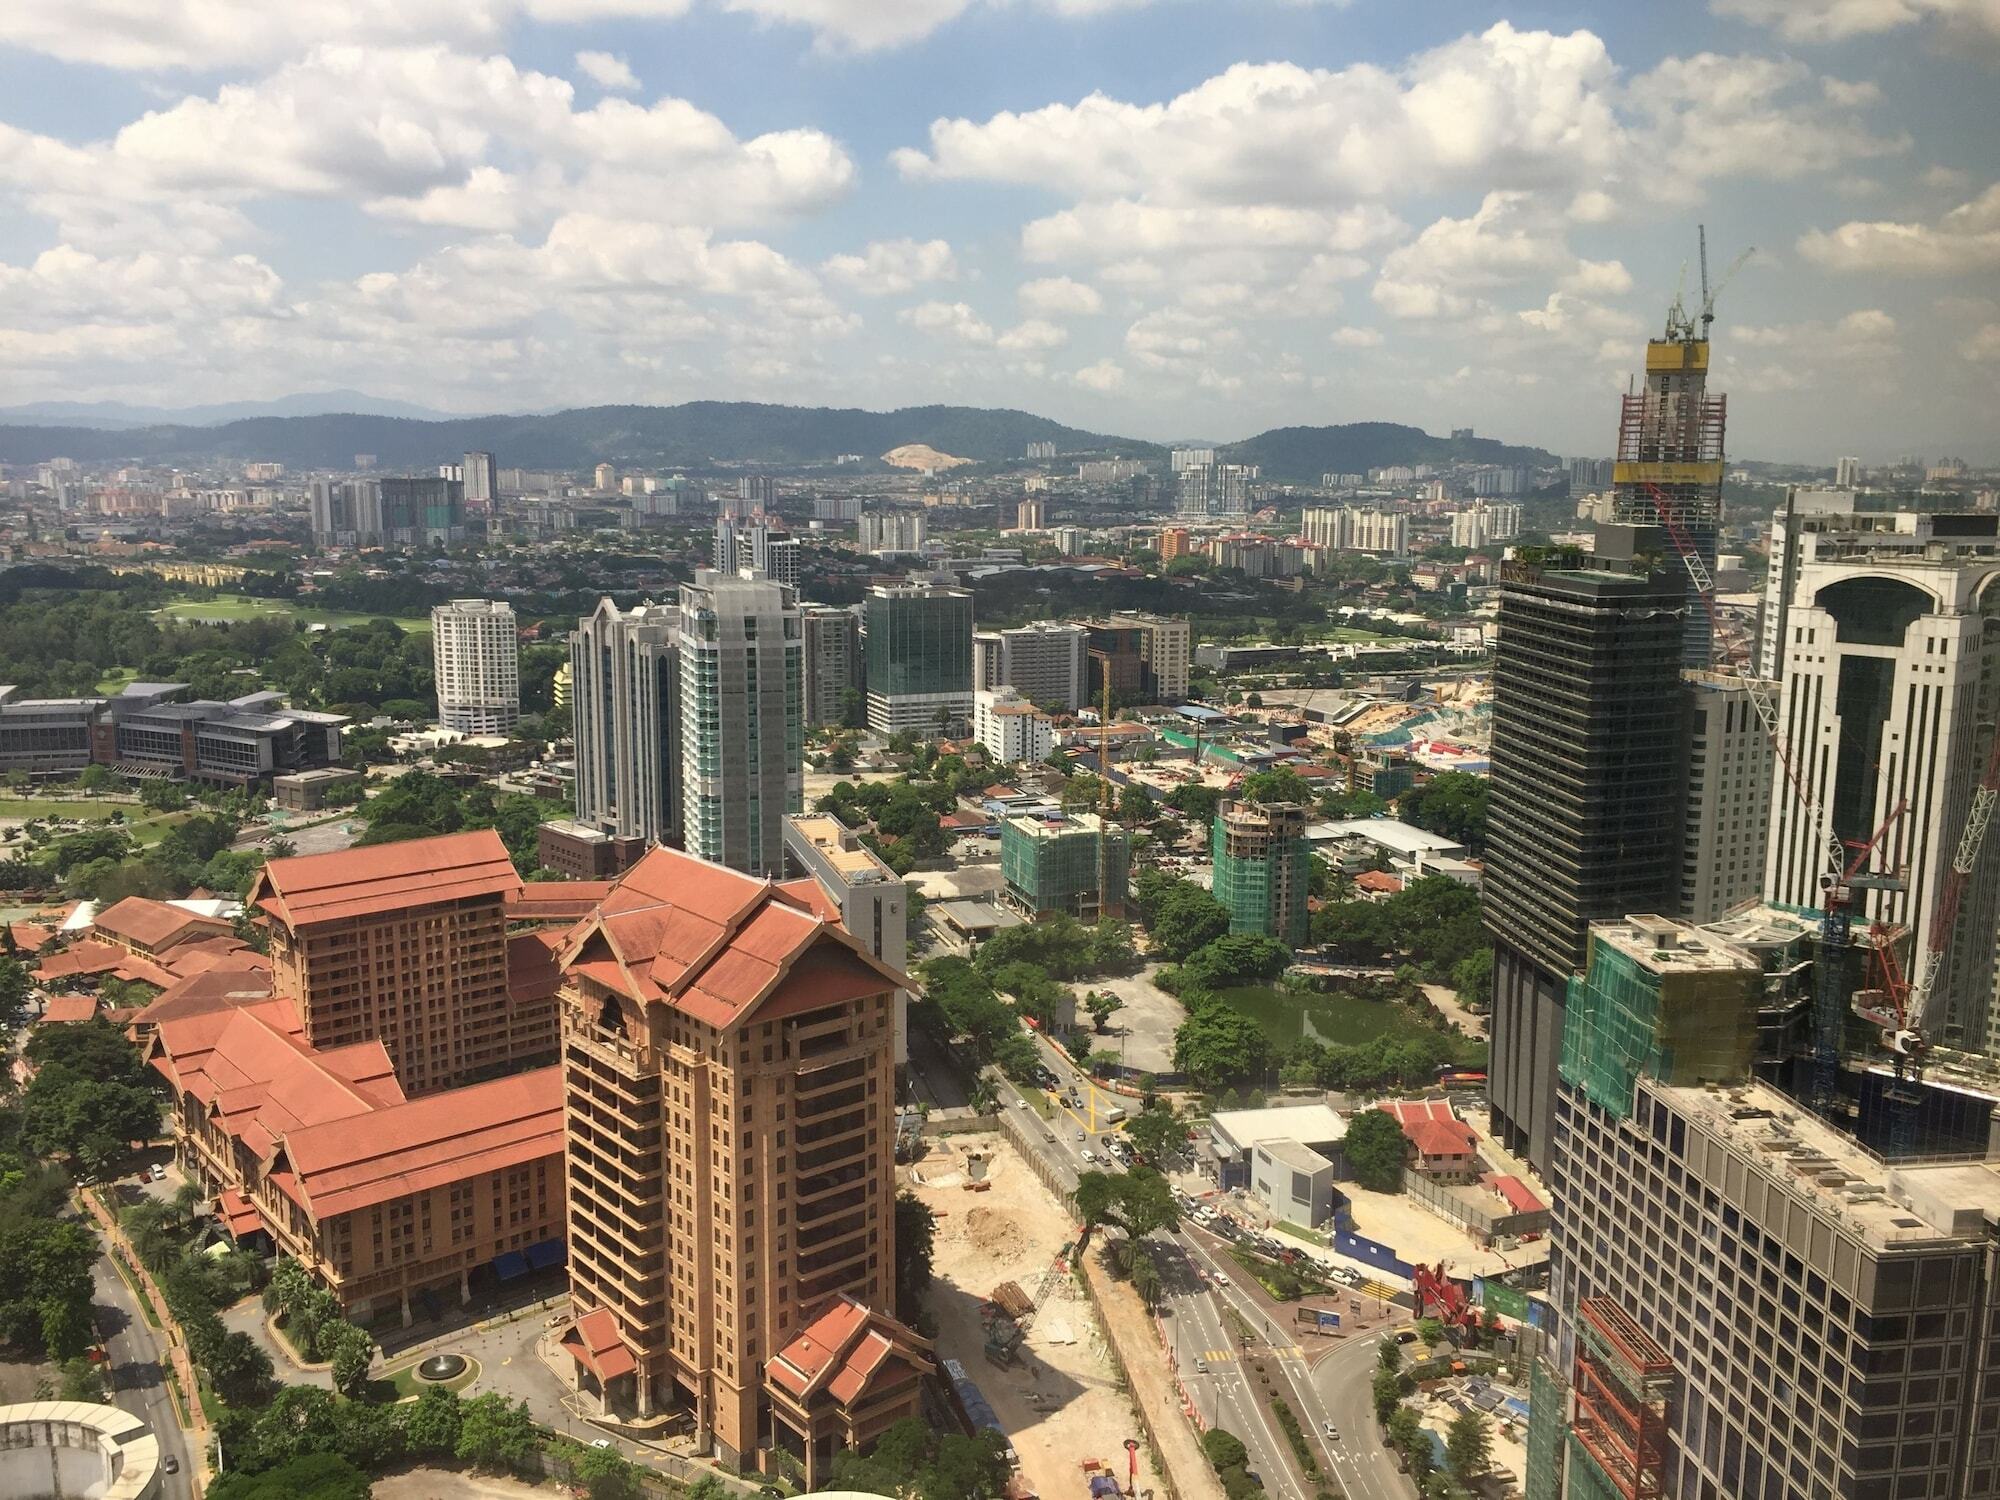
138	1371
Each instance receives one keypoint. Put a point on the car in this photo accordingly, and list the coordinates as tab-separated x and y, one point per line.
601	1443
1021	1103
1220	1279
159	1173
1407	1336
1089	1155
1080	1133
171	1464
1200	1365
1332	1432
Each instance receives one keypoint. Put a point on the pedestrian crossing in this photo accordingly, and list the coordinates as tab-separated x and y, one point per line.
1224	1356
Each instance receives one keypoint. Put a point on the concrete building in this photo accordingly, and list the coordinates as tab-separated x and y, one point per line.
145	730
1846	473
1726	823
406	944
604	479
1075	865
583	851
309	791
1351	529
758	491
754	547
894	533
918	657
837	508
1807	512
1584	811
1263	867
832	664
626	710
742	719
1031	514
729	1068
1046	662
1238	1137
1485	523
871	899
476	655
1148	656
1012	729
480	474
1175	541
1747	1303
1216	489
1891	673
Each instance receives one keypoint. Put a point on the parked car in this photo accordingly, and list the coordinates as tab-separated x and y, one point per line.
159	1173
1089	1155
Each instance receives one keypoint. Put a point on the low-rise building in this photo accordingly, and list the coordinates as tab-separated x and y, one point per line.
579	851
145	729
1072	865
1011	727
310	791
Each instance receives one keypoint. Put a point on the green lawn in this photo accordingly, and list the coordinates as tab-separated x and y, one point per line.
232	607
1334	1017
114	681
146	827
404	1383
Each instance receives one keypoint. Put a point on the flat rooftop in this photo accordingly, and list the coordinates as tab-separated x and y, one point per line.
826	833
1664	946
1302	1124
1388	833
1889	1207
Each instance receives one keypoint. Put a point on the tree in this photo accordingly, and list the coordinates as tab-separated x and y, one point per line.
431	1422
916	1233
1354	931
1224	1449
1136	805
313	1476
1096	1198
1102	1005
351	1351
1240	958
289	1282
1216	1045
496	1433
605	1475
1145	1276
1187	918
1196	801
1376	1149
1157	1132
1387	1391
1281	785
239	1370
1430	1331
94	780
1472	977
1451	803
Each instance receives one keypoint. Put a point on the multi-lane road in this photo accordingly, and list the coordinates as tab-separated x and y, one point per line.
1332	1395
138	1378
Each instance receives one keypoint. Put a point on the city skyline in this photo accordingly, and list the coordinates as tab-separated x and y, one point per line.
1142	218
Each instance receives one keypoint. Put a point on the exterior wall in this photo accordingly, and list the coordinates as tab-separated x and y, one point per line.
832	662
1011	730
774	1142
874	904
919	656
1262	869
625	702
1045	663
742	720
1526	1027
476	653
1057	870
1727	822
1296	1196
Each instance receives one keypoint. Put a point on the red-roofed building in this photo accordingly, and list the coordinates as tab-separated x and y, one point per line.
154	928
700	1005
318	1150
407	944
1446	1146
70	1008
846	1378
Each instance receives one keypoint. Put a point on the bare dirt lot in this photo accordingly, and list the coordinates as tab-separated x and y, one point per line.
1060	1402
455	1484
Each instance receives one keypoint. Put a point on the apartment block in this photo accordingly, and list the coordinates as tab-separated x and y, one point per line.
1045	661
476	657
1075	865
626	711
729	1071
891	533
406	945
1263	867
1012	729
832	663
765	550
1726	822
871	898
1351	529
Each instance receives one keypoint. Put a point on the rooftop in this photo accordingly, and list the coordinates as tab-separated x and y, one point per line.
1661	945
1389	833
829	838
1308	1124
366	882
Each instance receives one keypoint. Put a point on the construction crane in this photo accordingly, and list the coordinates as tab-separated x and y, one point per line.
1104	807
1841	872
1709	294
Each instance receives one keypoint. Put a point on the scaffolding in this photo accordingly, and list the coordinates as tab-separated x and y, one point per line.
1263	869
1624	1382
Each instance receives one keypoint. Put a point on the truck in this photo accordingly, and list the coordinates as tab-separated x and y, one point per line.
1114	1114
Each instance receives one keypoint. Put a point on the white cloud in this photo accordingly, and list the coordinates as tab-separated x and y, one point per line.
1598	278
1839	20
607	71
1173	339
1033	336
1356	338
1983	344
1059	296
1105	375
889	267
951	320
1964	241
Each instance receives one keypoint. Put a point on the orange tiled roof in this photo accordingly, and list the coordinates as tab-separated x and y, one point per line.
31	937
714	943
556	900
239	1215
153	925
478	1130
89	957
223	986
313	888
842	1351
593	1342
1378	880
532	973
70	1008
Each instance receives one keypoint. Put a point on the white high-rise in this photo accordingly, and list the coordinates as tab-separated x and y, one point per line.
1805	513
1010	727
762	549
481	476
1048	662
625	696
1891	675
1485	522
885	533
476	655
742	719
1846	473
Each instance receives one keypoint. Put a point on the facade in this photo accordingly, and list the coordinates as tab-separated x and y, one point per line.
481	476
1012	729
742	734
582	851
406	945
1747	1303
1350	529
1148	656
1890	669
626	711
1263	867
871	899
309	791
891	533
1847	473
1075	865
1216	489
1584	810
919	657
1045	661
1175	541
476	654
832	662
752	546
1806	512
1031	514
729	1071
836	507
1726	823
1485	522
144	730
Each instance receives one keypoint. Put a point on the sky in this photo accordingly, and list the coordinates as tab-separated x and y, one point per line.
1157	218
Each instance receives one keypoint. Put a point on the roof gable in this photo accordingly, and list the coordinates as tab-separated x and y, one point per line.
315	888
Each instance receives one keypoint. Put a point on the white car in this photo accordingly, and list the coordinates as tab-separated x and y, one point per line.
1022	1103
1220	1279
601	1443
1089	1155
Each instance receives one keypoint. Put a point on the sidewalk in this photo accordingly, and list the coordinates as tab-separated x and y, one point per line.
1136	1344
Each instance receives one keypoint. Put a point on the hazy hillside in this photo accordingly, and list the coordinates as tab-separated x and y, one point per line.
1299	455
693	434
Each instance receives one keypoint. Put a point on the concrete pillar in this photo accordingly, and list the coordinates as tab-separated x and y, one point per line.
642	1384
407	1318
464	1287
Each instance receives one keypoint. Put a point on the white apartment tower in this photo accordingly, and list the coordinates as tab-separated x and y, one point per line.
1047	662
1010	727
1846	473
1485	522
886	533
1891	672
767	550
742	719
476	655
625	695
1728	815
481	475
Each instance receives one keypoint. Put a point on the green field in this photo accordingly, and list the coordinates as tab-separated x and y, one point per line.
227	608
146	827
1335	1017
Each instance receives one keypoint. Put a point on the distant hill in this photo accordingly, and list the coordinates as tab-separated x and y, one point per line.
117	416
1299	455
690	435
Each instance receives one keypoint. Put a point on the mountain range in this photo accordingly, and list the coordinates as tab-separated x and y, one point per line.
699	434
117	416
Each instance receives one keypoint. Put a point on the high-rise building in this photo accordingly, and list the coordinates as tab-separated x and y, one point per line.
346	513
1795	530
870	898
742	719
1073	866
1485	522
1846	473
1263	867
1351	529
476	656
1671	440
1586	474
1214	489
626	702
766	550
1031	514
832	664
406	944
1584	810
889	533
836	507
1045	660
1041	450
480	474
1148	657
1746	1302
1180	459
1891	673
1011	727
605	478
1071	541
1726	821
729	1064
919	657
1175	541
759	490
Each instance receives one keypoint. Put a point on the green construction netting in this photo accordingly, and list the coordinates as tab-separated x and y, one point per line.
1548	1425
